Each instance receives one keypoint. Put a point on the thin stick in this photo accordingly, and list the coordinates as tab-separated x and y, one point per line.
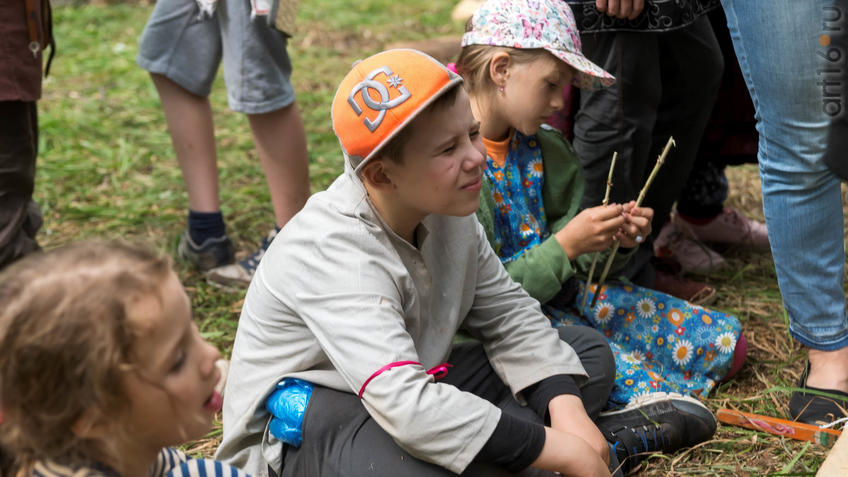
642	194
597	254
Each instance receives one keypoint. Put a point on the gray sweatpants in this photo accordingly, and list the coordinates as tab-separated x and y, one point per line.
341	439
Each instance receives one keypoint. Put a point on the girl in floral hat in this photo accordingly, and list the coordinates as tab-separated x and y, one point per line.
517	57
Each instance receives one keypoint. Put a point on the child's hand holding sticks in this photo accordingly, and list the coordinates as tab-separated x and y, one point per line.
591	230
637	224
636	205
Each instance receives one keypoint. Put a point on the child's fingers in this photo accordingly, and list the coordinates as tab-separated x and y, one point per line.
631	228
605	212
640	225
645	212
610	225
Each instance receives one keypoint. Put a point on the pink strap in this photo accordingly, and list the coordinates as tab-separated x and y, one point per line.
438	371
452	67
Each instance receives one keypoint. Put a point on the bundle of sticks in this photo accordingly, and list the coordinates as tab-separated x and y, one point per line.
614	250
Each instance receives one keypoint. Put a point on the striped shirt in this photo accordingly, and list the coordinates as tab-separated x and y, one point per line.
169	463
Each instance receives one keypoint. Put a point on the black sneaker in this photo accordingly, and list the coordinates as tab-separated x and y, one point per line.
240	274
213	252
656	423
816	409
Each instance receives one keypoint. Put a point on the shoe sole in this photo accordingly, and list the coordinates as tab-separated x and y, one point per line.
651	398
224	284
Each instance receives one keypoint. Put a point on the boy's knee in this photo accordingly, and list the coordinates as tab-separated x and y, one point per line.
592	348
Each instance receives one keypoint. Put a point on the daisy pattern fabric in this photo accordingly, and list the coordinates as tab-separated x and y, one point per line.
660	343
516	188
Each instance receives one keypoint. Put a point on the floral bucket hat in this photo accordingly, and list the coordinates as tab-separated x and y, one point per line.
545	24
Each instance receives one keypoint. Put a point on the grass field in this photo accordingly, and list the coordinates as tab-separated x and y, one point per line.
106	169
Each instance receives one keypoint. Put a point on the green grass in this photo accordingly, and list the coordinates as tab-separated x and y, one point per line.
106	169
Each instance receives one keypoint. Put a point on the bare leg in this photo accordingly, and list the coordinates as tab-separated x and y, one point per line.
281	142
827	369
189	120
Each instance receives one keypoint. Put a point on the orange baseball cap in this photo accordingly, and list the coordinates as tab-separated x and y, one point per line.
381	95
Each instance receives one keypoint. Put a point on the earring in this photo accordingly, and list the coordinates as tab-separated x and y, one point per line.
500	88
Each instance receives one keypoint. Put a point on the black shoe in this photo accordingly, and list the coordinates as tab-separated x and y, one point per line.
213	252
656	423
816	409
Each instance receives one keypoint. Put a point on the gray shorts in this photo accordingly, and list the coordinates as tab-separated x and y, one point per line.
180	45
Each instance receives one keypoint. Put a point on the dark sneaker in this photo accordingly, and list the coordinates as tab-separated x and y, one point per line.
656	423
817	409
213	252
239	274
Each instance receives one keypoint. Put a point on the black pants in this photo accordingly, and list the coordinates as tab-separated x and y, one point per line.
341	439
20	217
666	86
730	136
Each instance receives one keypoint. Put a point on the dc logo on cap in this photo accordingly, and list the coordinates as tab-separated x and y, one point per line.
369	84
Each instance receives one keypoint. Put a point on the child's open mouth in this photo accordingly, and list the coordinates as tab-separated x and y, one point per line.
214	403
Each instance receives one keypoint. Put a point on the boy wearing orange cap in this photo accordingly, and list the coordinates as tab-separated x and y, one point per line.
344	361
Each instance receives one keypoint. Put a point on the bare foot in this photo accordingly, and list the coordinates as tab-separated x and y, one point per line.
829	369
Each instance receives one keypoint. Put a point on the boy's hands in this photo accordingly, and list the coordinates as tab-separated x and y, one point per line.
569	455
573	445
637	224
568	415
592	230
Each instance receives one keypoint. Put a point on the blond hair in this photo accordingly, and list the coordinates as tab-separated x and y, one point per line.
65	346
474	60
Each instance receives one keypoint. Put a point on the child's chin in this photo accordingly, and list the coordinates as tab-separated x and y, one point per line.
529	130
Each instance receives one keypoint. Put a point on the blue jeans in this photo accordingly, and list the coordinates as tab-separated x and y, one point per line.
777	45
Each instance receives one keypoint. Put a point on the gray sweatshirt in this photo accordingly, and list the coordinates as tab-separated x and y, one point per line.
339	295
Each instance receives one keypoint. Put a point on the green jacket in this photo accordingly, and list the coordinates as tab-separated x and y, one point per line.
543	269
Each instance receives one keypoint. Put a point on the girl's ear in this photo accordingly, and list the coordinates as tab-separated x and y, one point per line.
375	175
91	425
499	68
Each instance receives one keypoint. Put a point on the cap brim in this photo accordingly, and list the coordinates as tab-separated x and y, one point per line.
589	75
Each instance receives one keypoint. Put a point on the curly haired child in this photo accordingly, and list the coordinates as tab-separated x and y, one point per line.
102	367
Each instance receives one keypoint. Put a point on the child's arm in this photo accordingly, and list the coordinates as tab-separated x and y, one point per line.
541	270
567	414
